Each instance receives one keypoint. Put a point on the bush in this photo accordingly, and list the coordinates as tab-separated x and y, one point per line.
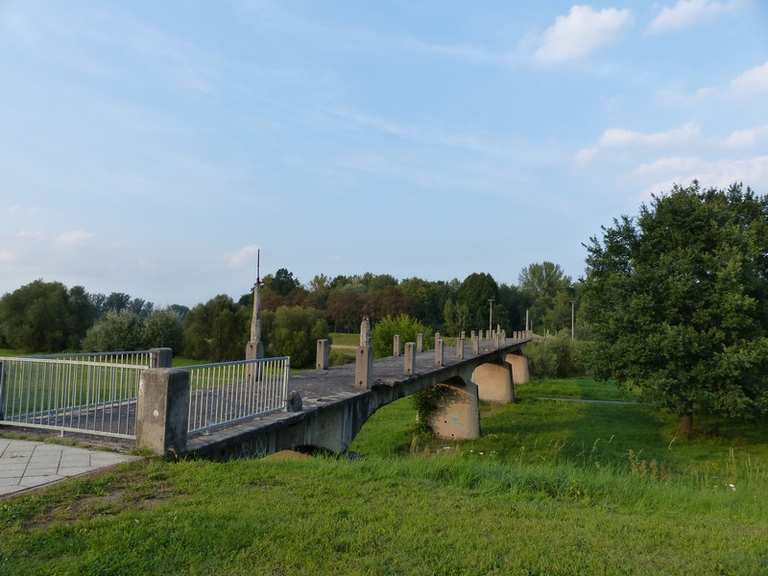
115	331
406	326
339	358
559	357
294	332
163	328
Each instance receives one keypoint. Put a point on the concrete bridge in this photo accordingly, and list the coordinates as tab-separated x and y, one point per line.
327	407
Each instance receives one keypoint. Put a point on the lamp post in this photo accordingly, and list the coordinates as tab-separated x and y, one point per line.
573	319
490	315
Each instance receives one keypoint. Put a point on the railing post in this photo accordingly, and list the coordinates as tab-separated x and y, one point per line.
475	344
160	358
162	411
2	392
364	357
460	348
396	345
439	352
410	358
321	362
419	343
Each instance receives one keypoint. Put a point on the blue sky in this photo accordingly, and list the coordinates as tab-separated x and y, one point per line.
150	147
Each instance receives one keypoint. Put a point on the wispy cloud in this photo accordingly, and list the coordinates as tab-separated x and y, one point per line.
580	32
686	13
7	256
243	258
622	138
747	137
73	238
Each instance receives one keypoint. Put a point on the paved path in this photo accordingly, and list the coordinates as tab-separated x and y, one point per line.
25	464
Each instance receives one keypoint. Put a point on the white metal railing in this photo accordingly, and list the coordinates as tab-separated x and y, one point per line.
227	392
70	395
130	357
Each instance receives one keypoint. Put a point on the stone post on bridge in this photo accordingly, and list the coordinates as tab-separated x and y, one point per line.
396	345
419	343
475	343
2	393
323	353
160	358
460	348
364	357
162	411
410	358
439	351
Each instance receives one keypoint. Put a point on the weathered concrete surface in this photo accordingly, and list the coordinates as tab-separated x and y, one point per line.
323	351
519	363
494	383
458	417
163	410
334	409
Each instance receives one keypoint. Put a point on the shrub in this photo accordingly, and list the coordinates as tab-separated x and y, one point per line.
163	328
115	331
294	332
559	357
339	358
406	326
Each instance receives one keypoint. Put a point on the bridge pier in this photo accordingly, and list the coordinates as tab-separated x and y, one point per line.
519	365
494	383
458	416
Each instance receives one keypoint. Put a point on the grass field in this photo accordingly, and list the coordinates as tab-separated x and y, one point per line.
552	488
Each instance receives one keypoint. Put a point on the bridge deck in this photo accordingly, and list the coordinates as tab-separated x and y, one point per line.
323	388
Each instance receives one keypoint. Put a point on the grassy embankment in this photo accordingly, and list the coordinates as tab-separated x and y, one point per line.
551	488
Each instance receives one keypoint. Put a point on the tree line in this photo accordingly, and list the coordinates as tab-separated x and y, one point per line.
49	317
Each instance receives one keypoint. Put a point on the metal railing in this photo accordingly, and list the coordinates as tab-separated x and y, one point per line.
142	358
224	393
70	395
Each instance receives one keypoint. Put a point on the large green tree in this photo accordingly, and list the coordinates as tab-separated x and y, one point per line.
474	293
549	291
678	300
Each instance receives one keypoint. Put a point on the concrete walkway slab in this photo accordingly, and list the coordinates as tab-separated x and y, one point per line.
26	464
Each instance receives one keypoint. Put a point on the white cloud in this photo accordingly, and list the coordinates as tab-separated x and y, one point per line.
622	138
579	32
747	137
687	12
73	238
244	257
7	256
752	81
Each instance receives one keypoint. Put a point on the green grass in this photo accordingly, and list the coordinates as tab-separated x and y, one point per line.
344	340
10	352
584	388
551	488
180	362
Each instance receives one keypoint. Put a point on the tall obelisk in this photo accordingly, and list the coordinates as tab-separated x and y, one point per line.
255	349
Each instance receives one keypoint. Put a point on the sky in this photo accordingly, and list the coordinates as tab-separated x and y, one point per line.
152	147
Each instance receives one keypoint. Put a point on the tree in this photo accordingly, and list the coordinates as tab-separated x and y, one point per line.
406	326
216	330
294	332
678	300
44	317
282	283
163	328
549	292
474	293
116	331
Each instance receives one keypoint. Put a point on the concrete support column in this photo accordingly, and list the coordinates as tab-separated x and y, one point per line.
396	345
363	367
419	343
458	417
323	353
460	348
160	358
410	358
519	365
494	383
162	411
439	352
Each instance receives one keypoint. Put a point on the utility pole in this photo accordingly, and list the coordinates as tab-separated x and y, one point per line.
490	315
573	320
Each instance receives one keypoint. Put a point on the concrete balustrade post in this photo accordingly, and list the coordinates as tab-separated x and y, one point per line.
364	367
160	358
396	345
323	354
460	348
475	344
162	411
419	343
2	392
410	358
439	352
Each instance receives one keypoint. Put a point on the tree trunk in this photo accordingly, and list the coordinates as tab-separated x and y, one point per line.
686	426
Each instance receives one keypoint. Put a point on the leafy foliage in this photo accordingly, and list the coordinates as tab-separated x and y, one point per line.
116	331
294	332
558	357
406	326
679	301
164	328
